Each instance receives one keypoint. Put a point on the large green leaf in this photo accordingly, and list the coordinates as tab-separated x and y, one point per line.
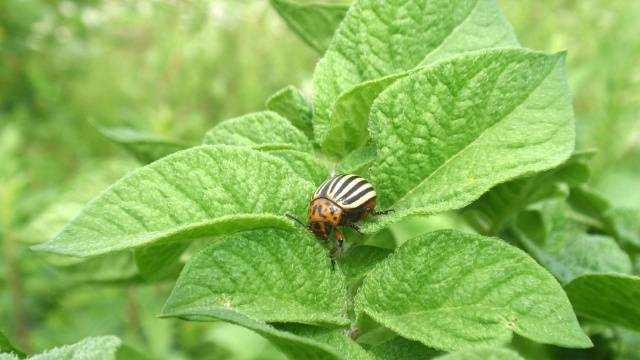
314	23
306	165
202	191
496	208
563	247
378	41
271	275
264	130
452	291
400	348
143	146
449	133
295	346
291	104
92	348
613	299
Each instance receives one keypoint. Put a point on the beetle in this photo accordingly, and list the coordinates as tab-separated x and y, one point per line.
342	200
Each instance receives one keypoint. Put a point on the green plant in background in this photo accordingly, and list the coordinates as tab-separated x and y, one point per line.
449	117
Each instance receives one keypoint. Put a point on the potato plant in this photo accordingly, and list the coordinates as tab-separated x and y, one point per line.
467	134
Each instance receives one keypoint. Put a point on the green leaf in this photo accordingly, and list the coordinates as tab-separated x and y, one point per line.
261	273
453	291
264	130
378	42
358	161
625	223
6	347
337	339
613	299
92	348
304	164
400	348
358	261
551	238
295	346
447	134
145	147
483	354
314	23
202	191
161	260
291	104
497	207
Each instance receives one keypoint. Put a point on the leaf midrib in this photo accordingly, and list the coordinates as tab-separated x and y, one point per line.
458	153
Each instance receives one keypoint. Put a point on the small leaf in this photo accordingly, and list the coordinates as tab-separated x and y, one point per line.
202	191
625	223
264	130
497	207
259	273
161	260
612	299
392	38
296	347
549	236
482	354
358	261
453	291
291	104
314	23
400	348
336	339
6	347
358	161
91	348
449	133
145	147
304	164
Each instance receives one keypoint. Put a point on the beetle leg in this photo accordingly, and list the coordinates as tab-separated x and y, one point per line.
378	213
356	228
339	240
332	256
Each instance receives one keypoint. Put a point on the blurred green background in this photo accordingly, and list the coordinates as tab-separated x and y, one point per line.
175	68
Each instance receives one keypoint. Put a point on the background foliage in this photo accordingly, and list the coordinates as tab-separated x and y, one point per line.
173	69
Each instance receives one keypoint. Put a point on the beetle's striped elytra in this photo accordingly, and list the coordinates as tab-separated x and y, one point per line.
342	200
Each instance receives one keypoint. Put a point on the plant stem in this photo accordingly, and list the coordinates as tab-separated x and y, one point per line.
12	271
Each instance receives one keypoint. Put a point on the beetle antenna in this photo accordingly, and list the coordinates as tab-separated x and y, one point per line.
296	220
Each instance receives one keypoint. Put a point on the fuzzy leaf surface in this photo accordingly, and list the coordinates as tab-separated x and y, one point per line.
437	30
454	291
314	23
265	130
92	348
202	191
613	299
259	273
400	348
291	104
306	165
449	133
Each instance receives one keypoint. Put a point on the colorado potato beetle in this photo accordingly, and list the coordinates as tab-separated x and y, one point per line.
342	200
